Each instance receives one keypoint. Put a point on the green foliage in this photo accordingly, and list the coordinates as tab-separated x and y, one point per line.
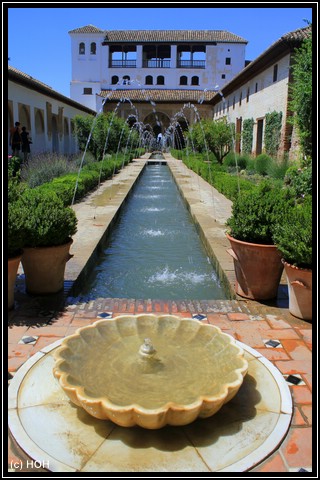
109	133
293	234
255	213
277	169
82	128
87	180
247	135
262	164
272	133
47	222
217	136
14	166
45	167
299	180
234	160
301	93
229	185
16	217
225	183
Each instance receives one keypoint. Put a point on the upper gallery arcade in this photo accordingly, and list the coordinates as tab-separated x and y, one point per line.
102	60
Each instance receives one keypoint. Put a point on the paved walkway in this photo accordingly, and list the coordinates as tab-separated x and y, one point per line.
269	327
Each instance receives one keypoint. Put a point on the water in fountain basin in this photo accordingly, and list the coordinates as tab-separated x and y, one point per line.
154	250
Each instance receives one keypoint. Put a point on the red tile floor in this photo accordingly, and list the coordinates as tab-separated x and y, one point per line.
250	322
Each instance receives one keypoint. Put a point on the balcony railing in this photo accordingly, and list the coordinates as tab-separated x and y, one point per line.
123	64
191	64
156	63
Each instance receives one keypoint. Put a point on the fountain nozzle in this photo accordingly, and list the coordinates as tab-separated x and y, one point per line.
147	349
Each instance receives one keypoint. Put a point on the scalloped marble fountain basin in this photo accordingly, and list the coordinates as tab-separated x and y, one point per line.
150	370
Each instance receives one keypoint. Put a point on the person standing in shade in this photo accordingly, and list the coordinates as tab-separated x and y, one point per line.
15	139
26	140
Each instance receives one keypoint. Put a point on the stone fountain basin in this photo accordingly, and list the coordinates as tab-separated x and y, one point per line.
195	370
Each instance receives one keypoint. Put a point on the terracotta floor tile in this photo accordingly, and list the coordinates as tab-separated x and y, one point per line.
43	341
297	349
274	463
19	350
82	321
307	412
15	362
294	366
282	334
16	333
307	336
301	394
274	353
297	447
55	331
298	418
277	323
237	316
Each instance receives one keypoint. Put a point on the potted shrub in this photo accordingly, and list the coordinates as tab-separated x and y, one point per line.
49	226
257	261
16	238
293	237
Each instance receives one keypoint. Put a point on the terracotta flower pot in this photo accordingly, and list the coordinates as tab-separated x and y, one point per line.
258	269
300	291
13	265
44	268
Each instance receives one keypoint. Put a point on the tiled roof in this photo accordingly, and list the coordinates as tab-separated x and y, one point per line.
167	36
160	95
24	79
299	35
172	36
284	44
87	29
26	76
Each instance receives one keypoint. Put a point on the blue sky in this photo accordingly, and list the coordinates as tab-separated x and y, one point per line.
39	44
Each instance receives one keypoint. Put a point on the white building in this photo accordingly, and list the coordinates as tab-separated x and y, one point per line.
106	60
45	113
261	88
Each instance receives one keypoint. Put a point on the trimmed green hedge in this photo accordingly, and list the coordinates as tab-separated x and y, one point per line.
225	183
88	179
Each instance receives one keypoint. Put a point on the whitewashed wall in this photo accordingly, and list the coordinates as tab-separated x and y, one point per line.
270	96
29	107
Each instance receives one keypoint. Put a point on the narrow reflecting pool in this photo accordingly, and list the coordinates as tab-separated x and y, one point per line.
154	251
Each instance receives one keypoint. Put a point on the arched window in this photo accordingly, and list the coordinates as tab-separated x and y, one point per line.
93	48
82	48
126	80
149	80
195	81
183	80
114	80
160	80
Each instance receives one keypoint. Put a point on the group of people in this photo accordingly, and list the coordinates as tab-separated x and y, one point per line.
20	140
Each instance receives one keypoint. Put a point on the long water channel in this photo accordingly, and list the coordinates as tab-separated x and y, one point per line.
154	250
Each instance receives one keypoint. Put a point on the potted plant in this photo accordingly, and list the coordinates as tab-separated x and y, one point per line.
293	237
49	226
257	261
16	238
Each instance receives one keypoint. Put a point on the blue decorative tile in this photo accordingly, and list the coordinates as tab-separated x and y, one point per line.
294	379
29	340
199	316
272	344
105	315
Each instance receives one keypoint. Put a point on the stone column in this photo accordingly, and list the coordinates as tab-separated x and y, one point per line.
173	63
139	57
